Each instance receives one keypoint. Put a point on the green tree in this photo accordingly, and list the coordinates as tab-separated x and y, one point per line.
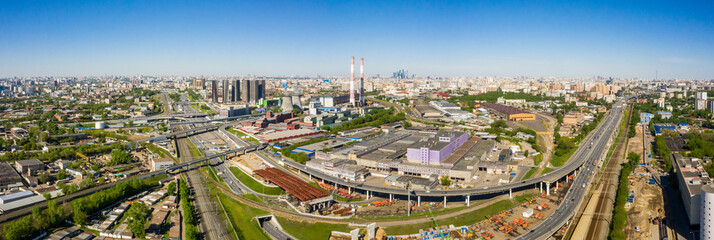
137	215
445	181
62	174
171	188
44	177
87	183
80	216
119	157
499	124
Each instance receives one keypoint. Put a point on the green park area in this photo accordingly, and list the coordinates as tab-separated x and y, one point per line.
255	185
309	230
242	217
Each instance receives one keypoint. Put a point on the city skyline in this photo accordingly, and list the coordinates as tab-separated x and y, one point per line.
504	39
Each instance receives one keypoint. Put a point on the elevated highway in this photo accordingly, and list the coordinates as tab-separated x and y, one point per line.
593	145
197	130
238	151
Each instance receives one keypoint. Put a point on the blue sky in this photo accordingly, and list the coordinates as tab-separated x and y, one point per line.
307	38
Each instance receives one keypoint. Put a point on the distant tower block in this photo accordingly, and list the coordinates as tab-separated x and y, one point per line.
214	91
226	91
361	82
236	91
352	82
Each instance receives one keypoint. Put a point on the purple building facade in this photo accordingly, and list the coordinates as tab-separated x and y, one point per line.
436	149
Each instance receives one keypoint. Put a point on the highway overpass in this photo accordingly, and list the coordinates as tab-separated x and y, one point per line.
598	137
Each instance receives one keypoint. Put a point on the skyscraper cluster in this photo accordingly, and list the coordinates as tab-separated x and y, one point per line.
233	91
400	74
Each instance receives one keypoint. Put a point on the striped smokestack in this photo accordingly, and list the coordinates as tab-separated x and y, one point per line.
352	82
361	81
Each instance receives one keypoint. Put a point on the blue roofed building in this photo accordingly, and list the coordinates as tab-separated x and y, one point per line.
646	117
661	126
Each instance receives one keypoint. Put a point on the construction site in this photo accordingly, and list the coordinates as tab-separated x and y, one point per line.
645	206
507	224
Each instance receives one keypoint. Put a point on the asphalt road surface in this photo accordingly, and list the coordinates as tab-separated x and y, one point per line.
595	148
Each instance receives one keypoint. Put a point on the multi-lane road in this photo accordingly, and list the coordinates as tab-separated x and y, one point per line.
596	147
584	160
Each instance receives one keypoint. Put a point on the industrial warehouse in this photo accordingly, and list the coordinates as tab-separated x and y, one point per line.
510	113
422	154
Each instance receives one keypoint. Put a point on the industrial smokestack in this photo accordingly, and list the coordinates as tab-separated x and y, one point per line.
352	82
361	81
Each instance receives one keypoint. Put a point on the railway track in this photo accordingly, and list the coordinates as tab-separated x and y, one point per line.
607	186
210	222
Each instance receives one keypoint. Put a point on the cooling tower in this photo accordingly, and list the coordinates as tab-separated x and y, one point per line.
287	104
296	101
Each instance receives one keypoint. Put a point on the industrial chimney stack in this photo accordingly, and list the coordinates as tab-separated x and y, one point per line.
352	82
361	82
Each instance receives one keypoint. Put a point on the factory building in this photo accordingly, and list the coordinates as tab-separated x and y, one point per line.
510	113
9	177
436	149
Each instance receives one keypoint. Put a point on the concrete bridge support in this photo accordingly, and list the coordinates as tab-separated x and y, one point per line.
541	187
556	186
547	188
444	201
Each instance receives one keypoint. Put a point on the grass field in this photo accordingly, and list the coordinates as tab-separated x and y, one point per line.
256	186
304	230
537	159
530	173
463	219
206	110
155	149
547	170
560	160
242	217
254	198
241	135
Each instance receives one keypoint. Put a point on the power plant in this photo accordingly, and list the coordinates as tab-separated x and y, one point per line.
353	101
361	82
352	82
